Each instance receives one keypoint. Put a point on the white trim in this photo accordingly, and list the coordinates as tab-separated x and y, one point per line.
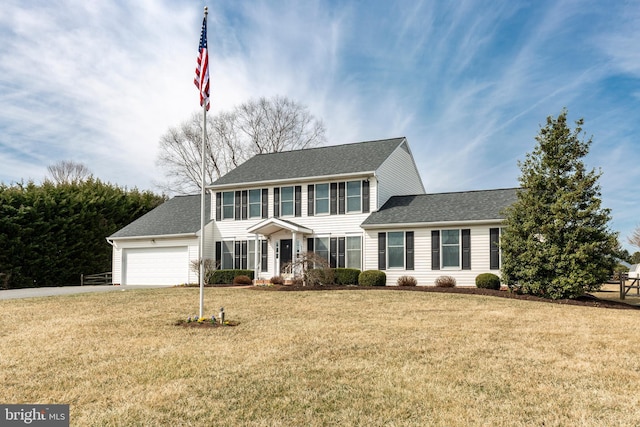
293	181
156	236
450	224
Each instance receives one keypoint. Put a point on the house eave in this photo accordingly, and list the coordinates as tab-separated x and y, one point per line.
333	177
431	224
154	236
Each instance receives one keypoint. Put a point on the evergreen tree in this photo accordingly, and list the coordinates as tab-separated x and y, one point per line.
556	242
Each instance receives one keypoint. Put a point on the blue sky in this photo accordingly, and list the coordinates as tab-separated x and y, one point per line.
467	82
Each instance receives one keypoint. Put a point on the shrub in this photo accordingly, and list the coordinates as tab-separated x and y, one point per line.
318	276
407	281
242	280
277	280
488	281
346	276
225	277
372	278
297	281
445	282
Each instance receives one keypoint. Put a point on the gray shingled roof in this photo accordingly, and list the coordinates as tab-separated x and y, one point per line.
322	161
443	207
180	215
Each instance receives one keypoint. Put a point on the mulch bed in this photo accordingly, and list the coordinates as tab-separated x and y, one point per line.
202	325
587	300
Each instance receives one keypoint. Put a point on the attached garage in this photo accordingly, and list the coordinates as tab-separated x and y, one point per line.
159	247
155	266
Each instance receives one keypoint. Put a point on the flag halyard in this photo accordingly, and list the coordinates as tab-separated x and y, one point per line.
202	70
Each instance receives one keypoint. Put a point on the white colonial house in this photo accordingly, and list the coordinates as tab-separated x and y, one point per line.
359	205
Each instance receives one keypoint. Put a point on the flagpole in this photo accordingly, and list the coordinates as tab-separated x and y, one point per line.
202	194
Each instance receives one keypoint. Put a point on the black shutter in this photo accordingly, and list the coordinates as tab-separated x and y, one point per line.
311	199
466	249
341	250
310	244
264	252
244	204
341	198
365	196
265	203
409	251
218	256
236	254
243	254
298	200
218	206
333	252
276	202
494	248
238	206
382	251
334	198
435	249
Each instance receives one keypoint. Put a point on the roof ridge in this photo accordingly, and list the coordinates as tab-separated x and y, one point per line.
466	191
332	146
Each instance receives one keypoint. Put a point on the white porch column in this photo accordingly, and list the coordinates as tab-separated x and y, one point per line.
256	257
294	254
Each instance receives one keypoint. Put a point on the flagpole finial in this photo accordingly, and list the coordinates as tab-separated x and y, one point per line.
206	10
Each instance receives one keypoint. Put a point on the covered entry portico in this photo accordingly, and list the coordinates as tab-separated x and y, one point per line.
285	240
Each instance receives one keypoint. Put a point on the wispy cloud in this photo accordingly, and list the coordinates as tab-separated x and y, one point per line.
467	82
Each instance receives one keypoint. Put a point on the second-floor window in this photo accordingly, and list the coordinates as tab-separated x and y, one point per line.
322	199
354	196
286	201
228	200
255	203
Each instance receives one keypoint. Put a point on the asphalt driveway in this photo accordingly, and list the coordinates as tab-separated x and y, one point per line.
63	290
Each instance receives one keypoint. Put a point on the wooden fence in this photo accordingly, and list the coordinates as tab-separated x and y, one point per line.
96	279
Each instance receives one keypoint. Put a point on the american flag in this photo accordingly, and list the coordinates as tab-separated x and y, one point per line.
202	70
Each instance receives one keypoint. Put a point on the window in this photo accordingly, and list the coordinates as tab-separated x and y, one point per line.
321	247
395	249
255	203
286	201
322	198
450	248
354	196
228	200
227	255
354	252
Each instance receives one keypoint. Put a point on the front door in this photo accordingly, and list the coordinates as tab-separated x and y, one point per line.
285	254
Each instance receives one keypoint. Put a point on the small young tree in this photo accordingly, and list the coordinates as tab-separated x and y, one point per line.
556	241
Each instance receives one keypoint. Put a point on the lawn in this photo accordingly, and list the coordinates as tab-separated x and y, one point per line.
349	357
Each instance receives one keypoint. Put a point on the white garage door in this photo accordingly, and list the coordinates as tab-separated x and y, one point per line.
156	266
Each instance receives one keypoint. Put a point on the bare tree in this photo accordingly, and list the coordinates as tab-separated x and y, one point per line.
634	239
255	127
68	172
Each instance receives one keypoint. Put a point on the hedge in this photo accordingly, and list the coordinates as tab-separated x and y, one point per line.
225	277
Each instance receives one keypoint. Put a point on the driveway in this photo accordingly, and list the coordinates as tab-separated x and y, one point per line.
64	290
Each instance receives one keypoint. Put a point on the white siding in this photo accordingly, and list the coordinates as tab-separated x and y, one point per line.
398	176
347	224
422	257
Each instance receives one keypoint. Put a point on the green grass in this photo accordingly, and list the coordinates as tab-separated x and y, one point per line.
354	357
